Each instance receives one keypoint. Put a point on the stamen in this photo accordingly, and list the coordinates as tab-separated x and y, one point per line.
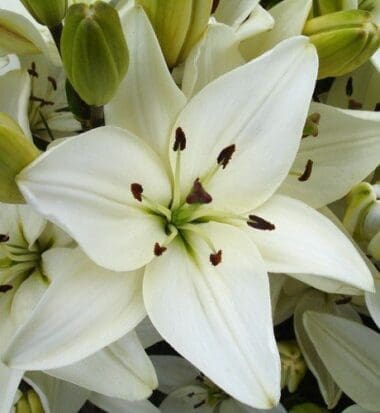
180	140
311	125
137	191
307	172
198	195
53	82
226	155
5	288
355	105
260	223
216	258
4	238
158	249
42	101
200	404
32	71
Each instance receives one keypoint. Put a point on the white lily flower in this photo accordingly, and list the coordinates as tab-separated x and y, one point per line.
185	220
114	405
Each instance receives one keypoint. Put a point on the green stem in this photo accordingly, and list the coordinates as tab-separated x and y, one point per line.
96	117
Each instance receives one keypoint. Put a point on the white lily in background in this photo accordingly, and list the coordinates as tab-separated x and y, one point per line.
190	391
349	350
185	220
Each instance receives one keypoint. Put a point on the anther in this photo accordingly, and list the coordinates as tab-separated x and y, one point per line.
226	155
216	258
180	140
215	5
198	195
5	288
32	71
354	104
137	191
349	87
53	82
158	249
190	395
200	404
4	238
260	223
307	172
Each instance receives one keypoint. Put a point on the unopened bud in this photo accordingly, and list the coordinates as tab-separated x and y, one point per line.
178	24
344	40
293	366
94	51
49	13
16	152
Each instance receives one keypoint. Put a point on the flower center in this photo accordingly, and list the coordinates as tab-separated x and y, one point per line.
187	216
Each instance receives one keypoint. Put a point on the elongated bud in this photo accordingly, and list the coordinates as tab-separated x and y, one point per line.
321	7
178	24
344	40
362	217
29	403
293	366
49	13
94	51
16	152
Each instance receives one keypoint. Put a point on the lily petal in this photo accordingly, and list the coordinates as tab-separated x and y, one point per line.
84	186
122	406
350	351
207	312
245	108
234	13
346	150
187	399
9	381
259	21
148	100
84	309
121	370
373	303
306	242
233	406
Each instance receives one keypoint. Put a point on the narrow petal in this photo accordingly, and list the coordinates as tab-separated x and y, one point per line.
346	150
9	381
234	13
127	372
57	396
84	309
259	21
351	353
289	16
148	101
122	406
215	54
373	303
84	186
246	108
207	312
306	242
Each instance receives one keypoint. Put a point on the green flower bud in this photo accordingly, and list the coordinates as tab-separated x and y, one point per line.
344	40
94	51
34	402
49	13
293	366
16	152
179	24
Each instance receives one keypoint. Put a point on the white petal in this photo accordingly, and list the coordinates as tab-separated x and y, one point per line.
32	224
215	54
375	60
355	409
121	370
351	353
315	300
9	381
206	313
56	395
373	303
289	16
83	185
113	405
14	97
187	399
147	333
236	12
232	406
84	309
346	150
245	107
306	242
258	22
173	372
148	100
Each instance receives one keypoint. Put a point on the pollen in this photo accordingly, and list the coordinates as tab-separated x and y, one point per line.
307	172
4	238
226	155
137	191
216	258
158	249
180	140
260	223
198	194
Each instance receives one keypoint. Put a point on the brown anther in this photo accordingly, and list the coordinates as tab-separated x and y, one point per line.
137	191
260	223
32	71
5	288
180	140
198	195
353	104
4	238
190	395
200	404
377	107
349	87
307	172
158	249
216	258
343	300
53	82
215	5
226	155
42	101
